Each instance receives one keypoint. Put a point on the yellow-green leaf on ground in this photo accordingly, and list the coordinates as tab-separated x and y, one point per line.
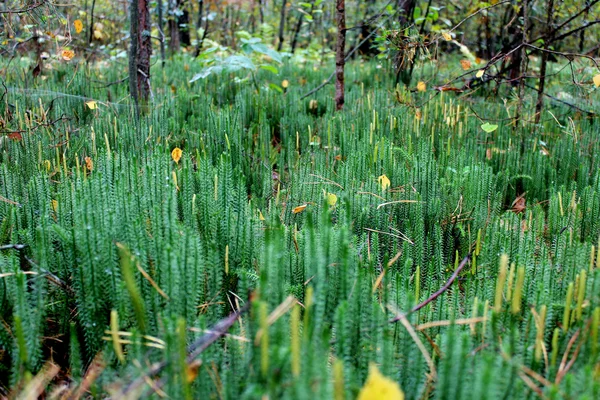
176	154
489	128
379	387
421	86
597	80
299	209
384	182
78	25
331	199
67	55
92	105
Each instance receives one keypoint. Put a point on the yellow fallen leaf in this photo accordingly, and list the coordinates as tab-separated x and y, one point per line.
261	216
78	25
447	36
191	372
379	387
92	105
89	164
299	209
480	73
418	114
285	84
465	64
421	86
384	181
331	199
597	80
67	55
176	154
97	34
54	205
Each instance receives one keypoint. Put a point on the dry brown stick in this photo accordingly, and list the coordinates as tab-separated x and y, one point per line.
24	10
434	296
194	350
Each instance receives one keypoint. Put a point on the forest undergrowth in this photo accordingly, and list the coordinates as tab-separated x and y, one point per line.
228	242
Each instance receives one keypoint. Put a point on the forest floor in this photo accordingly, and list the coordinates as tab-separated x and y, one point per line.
229	242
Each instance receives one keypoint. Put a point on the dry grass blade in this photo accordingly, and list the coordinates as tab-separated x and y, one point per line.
14	203
396	202
194	350
277	313
325	180
564	365
93	372
411	331
531	384
34	389
152	282
460	321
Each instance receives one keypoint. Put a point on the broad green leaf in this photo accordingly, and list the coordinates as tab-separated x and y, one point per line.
263	49
417	13
269	68
487	127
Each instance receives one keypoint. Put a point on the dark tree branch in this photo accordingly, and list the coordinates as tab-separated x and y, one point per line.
437	294
24	9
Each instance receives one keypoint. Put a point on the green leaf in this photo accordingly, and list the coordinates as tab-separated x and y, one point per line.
417	13
229	64
276	87
487	127
269	68
263	49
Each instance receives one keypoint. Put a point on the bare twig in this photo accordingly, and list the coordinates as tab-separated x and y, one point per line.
24	10
434	296
194	350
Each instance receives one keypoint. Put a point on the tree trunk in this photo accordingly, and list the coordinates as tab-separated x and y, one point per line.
520	69
297	32
183	23
281	25
406	10
140	51
173	27
91	35
543	64
299	26
340	53
159	6
261	13
199	26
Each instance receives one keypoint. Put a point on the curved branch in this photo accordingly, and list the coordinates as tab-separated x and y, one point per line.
24	10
